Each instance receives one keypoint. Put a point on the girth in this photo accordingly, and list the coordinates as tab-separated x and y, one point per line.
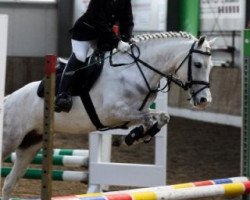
98	59
90	109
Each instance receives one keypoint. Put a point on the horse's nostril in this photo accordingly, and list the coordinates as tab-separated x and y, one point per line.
203	100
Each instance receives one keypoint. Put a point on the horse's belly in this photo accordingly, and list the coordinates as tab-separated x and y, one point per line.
76	121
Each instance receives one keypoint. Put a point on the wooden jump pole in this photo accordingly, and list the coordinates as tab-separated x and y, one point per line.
48	124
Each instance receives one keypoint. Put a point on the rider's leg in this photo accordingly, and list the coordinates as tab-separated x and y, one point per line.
76	61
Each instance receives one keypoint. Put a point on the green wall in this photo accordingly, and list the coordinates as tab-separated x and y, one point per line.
184	15
190	16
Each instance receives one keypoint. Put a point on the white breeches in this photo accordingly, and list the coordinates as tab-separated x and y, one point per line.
81	49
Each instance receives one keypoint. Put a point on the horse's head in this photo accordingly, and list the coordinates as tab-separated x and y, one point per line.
194	71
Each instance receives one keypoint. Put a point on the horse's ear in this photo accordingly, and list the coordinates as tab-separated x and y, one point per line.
201	41
211	42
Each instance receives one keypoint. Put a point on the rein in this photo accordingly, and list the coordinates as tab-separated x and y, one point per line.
170	78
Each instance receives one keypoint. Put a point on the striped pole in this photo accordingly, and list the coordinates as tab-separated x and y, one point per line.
69	152
225	190
57	175
195	184
68	161
23	199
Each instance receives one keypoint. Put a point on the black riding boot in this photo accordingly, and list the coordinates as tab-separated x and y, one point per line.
64	100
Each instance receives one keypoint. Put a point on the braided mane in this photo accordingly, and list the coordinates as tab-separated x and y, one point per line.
162	35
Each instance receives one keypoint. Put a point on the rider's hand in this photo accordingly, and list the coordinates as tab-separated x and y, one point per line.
133	40
123	46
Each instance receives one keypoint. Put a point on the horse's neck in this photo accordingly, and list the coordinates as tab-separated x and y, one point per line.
163	56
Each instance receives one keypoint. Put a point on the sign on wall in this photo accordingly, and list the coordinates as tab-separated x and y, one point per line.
148	15
226	15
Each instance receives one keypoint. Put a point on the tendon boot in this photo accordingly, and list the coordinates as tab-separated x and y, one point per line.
134	135
64	100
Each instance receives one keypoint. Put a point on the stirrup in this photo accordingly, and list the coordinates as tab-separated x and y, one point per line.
63	102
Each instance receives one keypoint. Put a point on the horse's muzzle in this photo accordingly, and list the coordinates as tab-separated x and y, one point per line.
201	102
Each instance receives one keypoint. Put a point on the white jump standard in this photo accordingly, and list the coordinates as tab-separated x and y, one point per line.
3	58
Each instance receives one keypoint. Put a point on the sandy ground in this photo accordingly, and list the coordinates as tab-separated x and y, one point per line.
196	151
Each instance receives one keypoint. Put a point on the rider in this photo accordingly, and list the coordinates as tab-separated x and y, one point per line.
93	28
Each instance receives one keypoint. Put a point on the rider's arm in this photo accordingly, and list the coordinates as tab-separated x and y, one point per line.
101	23
126	22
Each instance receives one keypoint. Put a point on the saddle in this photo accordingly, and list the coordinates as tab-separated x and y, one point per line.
83	80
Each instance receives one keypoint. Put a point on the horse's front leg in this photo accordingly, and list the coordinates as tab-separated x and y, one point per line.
151	122
151	125
160	119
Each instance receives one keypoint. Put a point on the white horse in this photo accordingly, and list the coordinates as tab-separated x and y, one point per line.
119	95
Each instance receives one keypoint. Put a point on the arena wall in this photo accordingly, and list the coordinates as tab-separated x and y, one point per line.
22	70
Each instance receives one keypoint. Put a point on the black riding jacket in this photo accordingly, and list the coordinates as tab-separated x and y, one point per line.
98	20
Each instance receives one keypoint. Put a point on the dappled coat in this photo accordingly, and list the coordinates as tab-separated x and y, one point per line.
98	20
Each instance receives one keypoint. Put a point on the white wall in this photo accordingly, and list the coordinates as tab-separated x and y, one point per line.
32	29
221	15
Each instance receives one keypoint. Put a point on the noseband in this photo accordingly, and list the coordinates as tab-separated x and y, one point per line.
170	78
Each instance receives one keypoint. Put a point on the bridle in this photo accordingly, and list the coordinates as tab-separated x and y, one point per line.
190	80
170	78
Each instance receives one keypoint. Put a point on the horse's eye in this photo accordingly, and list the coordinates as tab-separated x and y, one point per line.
198	64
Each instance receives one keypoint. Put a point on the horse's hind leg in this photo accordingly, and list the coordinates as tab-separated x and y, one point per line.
23	158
